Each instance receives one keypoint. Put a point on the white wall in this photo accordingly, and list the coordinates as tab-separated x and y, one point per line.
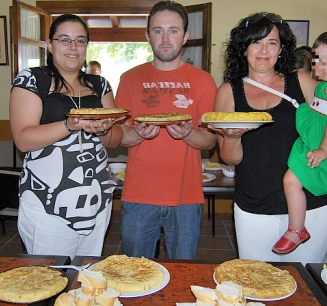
227	13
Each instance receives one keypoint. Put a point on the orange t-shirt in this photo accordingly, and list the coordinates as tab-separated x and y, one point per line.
165	171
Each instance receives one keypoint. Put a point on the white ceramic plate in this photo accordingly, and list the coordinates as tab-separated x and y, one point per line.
263	300
236	124
117	167
324	275
210	178
271	300
212	168
146	292
228	172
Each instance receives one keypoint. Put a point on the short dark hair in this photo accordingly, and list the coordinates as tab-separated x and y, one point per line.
303	58
96	63
245	33
169	6
320	40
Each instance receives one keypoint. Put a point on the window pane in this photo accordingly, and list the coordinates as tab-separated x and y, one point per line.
117	58
193	55
30	57
195	25
30	25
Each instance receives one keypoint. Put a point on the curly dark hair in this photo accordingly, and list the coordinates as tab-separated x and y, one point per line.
245	33
60	82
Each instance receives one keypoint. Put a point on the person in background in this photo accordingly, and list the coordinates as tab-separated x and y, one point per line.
319	60
65	191
163	184
261	47
303	59
94	67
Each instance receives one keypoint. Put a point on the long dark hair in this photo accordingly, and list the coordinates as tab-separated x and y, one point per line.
60	82
245	33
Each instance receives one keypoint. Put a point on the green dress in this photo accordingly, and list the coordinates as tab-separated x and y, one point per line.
310	124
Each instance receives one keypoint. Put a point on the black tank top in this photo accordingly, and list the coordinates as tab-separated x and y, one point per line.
259	179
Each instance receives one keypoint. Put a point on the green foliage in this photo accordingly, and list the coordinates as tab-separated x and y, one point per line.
120	51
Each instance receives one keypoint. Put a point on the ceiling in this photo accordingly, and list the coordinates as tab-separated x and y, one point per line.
115	27
115	21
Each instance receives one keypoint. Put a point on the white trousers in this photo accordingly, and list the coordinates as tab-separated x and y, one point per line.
45	234
257	234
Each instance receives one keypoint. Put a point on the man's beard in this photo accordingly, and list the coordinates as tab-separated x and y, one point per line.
167	57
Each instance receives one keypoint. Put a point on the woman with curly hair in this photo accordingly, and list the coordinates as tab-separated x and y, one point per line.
261	47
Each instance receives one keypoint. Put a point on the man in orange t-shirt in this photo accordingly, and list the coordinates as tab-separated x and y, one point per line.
163	184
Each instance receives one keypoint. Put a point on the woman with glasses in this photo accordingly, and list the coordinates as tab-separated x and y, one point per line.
65	187
261	47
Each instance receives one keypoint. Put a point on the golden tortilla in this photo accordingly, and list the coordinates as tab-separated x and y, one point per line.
163	117
258	279
29	284
236	116
129	274
97	111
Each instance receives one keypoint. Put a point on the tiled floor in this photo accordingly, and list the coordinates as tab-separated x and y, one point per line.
220	248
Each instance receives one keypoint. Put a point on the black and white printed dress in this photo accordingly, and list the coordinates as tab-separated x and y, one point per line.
69	178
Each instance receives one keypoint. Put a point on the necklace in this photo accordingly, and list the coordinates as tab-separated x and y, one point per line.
79	98
79	106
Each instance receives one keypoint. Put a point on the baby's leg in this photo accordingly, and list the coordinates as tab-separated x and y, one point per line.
296	202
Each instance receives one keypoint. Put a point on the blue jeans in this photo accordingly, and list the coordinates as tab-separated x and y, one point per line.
141	227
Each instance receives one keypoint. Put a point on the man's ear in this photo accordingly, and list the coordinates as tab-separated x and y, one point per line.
147	37
186	35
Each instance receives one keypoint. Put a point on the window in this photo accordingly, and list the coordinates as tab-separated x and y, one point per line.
116	58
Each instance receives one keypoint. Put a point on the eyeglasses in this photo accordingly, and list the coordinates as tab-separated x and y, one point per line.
64	41
274	18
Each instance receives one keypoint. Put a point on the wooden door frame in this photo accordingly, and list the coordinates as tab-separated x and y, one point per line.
131	7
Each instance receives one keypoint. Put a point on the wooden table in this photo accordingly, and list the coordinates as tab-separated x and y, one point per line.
221	187
185	273
16	261
315	270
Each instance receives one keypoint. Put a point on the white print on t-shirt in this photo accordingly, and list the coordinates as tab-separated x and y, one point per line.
182	101
166	85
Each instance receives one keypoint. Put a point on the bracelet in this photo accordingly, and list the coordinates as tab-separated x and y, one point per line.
103	133
67	127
